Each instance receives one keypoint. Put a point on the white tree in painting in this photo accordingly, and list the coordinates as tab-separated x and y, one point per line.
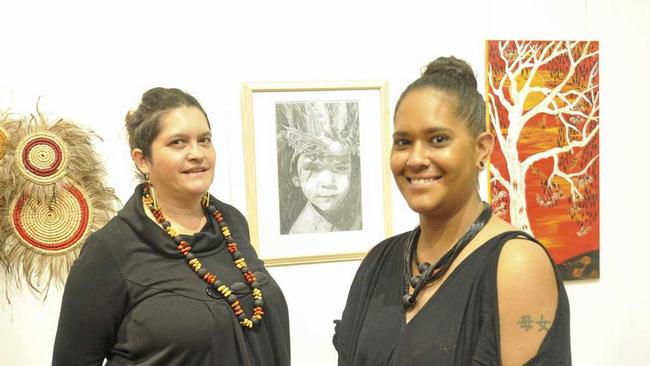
543	80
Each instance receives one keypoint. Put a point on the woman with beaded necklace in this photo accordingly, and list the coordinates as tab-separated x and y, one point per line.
173	278
464	287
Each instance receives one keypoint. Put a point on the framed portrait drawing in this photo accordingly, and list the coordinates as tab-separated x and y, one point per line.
317	175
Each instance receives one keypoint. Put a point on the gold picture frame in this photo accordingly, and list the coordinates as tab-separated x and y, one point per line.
356	126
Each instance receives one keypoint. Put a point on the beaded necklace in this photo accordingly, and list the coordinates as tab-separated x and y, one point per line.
430	273
203	273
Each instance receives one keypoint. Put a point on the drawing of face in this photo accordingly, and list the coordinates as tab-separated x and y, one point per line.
324	179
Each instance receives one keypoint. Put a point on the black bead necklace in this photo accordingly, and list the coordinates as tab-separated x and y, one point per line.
431	273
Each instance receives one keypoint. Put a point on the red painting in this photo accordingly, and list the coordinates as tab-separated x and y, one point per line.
543	107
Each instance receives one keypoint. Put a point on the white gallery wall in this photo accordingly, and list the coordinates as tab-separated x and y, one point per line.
91	61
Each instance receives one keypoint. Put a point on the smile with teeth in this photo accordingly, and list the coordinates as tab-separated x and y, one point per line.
422	181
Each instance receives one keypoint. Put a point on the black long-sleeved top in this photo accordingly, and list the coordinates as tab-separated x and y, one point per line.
131	298
458	326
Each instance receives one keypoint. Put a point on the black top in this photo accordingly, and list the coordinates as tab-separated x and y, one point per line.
459	325
131	298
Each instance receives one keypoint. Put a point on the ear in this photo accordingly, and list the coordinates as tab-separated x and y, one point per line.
141	162
484	146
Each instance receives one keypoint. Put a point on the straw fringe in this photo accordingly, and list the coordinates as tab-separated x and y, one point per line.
21	263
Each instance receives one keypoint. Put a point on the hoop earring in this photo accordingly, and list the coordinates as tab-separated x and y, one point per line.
481	165
205	199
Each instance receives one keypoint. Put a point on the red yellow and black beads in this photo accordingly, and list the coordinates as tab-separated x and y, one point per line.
207	276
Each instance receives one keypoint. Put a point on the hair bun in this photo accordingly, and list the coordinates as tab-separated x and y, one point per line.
131	118
454	68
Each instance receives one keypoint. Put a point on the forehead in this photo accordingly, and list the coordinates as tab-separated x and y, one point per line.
183	120
426	108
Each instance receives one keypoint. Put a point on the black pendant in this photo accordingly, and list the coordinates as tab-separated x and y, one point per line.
408	300
213	293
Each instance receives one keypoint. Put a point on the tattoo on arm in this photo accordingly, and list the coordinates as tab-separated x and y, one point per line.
527	322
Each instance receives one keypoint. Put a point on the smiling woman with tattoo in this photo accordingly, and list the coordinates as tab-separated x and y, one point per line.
464	287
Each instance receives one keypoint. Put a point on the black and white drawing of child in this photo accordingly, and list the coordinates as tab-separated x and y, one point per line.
318	166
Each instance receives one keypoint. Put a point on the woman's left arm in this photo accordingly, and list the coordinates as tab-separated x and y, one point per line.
528	297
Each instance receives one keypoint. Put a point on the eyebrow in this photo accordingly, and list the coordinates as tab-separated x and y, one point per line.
177	135
427	131
338	159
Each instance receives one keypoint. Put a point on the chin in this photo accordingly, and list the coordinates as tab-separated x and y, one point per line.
424	208
197	190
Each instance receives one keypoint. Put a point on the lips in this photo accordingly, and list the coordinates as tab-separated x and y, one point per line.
423	181
195	170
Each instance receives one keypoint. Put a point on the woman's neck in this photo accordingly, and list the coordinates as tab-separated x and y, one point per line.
186	213
439	233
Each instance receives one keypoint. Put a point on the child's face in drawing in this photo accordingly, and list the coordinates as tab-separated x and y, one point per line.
324	179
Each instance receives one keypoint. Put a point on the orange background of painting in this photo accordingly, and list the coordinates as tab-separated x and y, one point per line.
553	226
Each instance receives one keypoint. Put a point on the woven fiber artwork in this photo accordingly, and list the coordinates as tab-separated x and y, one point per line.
3	142
42	158
52	197
52	227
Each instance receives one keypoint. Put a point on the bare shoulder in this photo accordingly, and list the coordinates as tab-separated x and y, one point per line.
523	259
522	262
528	296
525	276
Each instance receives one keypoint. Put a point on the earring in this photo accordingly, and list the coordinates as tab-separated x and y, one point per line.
205	199
146	177
151	193
481	165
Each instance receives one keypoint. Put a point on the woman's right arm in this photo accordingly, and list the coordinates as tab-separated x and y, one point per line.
92	309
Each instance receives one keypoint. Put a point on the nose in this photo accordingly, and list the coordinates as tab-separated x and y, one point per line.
195	152
418	157
328	179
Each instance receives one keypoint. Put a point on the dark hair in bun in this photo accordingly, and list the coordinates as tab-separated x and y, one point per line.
143	124
454	77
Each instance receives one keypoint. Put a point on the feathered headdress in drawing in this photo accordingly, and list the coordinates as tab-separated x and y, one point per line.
321	128
52	195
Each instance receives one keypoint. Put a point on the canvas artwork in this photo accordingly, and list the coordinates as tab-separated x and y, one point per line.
543	107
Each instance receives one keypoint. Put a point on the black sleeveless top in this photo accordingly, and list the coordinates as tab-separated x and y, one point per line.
459	325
